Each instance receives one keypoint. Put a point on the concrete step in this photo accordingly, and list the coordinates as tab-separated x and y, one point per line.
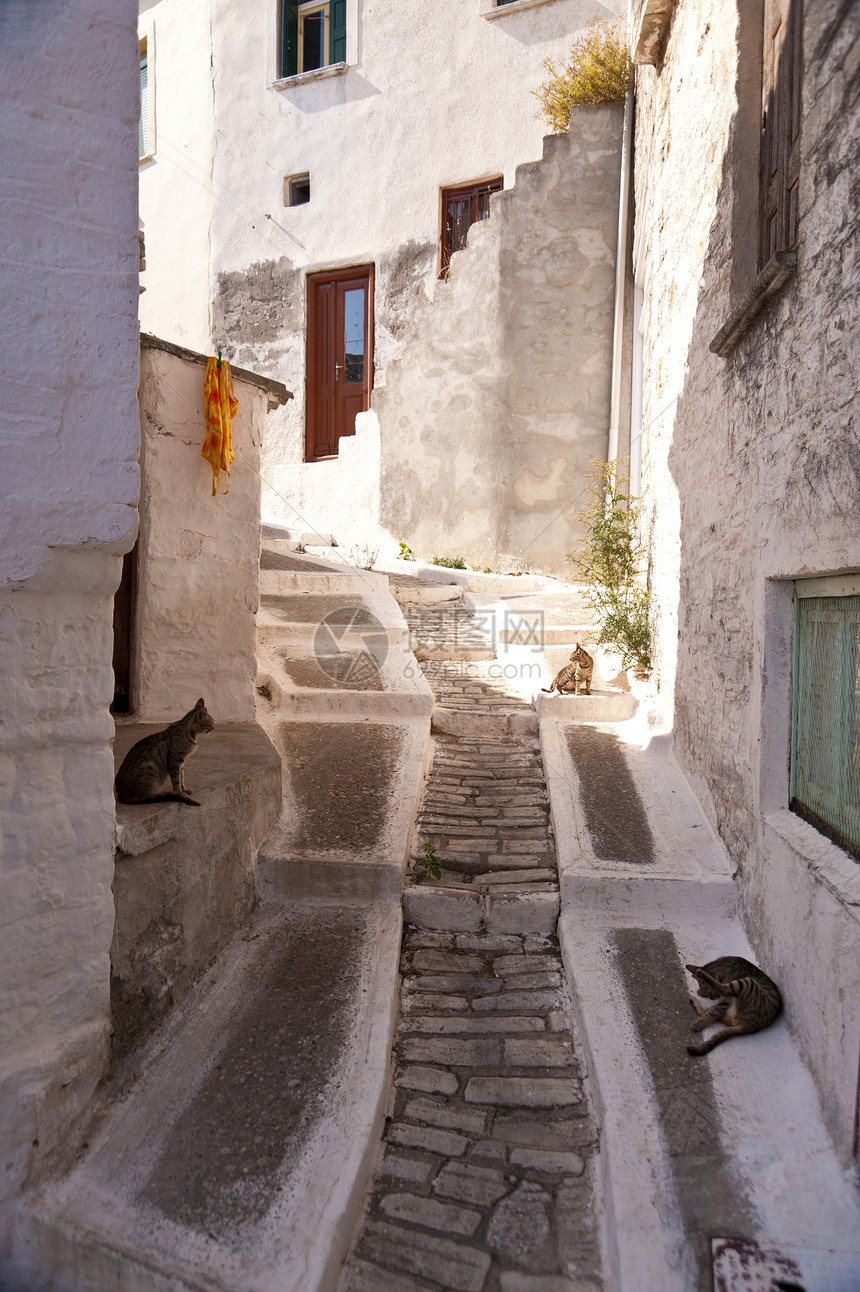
458	910
350	795
456	722
238	1160
431	595
702	1155
275	534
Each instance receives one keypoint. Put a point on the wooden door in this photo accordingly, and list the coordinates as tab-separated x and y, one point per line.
339	356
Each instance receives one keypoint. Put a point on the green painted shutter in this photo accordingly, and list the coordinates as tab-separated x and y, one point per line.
290	38
825	752
337	27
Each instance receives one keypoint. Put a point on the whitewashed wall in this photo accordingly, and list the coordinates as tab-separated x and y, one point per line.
436	94
69	433
752	471
199	554
176	183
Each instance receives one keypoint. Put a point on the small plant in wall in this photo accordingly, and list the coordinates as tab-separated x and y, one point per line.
405	553
610	560
597	70
429	866
450	562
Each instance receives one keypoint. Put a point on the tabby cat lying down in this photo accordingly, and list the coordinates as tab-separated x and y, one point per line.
148	764
747	1000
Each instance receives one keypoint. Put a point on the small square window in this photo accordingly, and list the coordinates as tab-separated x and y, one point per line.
297	190
825	711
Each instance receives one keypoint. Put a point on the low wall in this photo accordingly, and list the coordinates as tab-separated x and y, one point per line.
185	877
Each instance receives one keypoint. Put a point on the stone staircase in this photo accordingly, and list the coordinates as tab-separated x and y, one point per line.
546	1130
485	1174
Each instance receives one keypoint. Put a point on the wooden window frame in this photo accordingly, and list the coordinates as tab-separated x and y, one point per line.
769	216
475	189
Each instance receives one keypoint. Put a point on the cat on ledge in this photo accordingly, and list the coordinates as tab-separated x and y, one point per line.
150	762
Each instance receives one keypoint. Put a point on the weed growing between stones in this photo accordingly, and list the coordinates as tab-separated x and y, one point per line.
450	562
429	866
597	70
405	553
364	557
609	561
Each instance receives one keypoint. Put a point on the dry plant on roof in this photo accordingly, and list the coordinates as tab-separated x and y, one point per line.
597	70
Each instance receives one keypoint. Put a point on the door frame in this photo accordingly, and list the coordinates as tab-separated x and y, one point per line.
318	278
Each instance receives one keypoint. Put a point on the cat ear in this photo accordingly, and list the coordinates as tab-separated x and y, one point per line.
692	968
200	704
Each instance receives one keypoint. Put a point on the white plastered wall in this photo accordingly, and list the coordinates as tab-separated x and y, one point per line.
176	186
435	95
199	555
69	429
750	467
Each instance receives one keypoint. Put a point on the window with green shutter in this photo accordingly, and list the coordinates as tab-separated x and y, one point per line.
825	735
313	35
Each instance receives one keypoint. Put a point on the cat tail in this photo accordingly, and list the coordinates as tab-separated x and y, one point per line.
549	689
165	798
732	988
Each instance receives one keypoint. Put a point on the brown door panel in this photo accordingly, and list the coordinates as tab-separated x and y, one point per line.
339	356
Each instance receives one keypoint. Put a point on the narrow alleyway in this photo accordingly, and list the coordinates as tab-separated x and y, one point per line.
485	1176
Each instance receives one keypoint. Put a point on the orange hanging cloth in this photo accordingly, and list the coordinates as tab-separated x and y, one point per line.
220	406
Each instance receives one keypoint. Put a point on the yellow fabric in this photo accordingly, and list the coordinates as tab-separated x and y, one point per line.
221	406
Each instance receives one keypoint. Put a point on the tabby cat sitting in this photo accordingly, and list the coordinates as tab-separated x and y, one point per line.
747	1000
574	675
149	763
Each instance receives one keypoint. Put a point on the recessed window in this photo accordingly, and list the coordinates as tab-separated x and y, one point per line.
297	190
825	711
461	208
144	145
313	35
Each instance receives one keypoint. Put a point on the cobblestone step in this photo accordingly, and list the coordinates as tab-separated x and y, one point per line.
485	1178
485	1174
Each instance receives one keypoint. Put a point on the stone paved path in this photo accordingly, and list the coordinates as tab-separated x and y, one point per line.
485	1180
486	811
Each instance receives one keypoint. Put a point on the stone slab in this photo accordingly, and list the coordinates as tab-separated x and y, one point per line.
243	1076
665	1114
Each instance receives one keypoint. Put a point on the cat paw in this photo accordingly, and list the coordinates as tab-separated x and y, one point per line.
698	1025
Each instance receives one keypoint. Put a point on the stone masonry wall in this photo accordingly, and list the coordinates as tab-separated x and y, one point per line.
69	430
752	472
500	400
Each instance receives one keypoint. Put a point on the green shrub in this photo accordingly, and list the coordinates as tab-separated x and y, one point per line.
609	560
451	562
597	70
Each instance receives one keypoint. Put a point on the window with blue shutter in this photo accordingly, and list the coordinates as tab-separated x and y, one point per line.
825	735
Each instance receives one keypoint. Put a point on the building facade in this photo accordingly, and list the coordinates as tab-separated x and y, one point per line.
309	178
746	402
